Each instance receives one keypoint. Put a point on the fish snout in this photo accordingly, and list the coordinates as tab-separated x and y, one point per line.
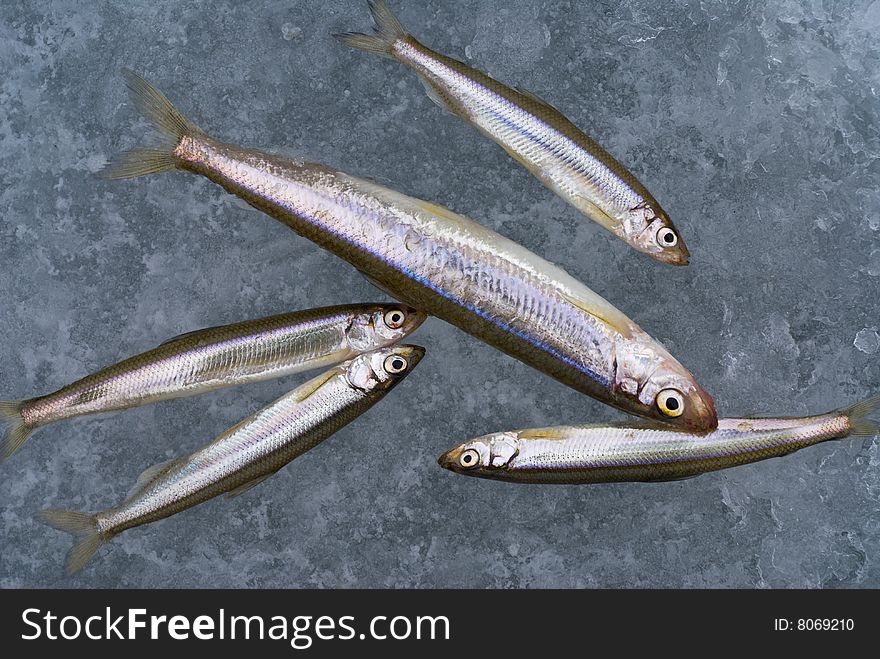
700	415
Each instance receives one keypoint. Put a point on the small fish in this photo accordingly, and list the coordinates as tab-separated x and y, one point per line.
246	454
620	452
442	263
214	358
536	135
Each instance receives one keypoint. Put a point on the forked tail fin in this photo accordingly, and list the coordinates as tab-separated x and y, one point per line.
168	121
388	31
83	526
13	431
862	427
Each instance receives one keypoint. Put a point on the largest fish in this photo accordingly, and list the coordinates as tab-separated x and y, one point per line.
536	135
441	263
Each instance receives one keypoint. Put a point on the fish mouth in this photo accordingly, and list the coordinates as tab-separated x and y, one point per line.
412	353
449	460
700	417
676	256
414	318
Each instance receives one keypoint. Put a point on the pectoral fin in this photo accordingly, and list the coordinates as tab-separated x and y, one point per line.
603	310
589	208
310	387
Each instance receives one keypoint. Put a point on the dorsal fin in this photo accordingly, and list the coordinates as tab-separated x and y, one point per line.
186	335
537	99
149	475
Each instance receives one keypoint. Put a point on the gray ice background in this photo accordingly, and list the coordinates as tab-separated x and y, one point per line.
757	126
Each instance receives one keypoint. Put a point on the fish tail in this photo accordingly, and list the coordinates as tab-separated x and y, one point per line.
83	526
862	427
15	430
388	31
168	121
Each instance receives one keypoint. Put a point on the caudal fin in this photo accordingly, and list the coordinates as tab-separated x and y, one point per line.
862	427
388	31
171	125
14	430
83	526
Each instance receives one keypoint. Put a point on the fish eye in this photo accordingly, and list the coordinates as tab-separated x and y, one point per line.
395	318
671	402
469	458
395	364
666	237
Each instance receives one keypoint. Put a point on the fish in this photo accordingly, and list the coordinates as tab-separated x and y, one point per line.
646	452
535	134
246	454
214	358
442	263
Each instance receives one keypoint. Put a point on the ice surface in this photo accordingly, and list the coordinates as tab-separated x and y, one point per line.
756	125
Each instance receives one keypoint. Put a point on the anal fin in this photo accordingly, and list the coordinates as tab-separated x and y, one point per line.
437	96
241	489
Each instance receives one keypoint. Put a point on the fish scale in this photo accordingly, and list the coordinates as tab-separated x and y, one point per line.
441	263
536	135
617	452
214	358
247	453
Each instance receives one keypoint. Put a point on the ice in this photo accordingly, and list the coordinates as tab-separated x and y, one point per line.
867	340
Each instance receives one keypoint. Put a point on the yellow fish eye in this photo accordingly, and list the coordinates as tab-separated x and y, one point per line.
394	364
469	459
395	318
671	402
666	237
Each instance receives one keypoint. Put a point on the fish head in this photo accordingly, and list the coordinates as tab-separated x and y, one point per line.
651	383
382	369
384	326
482	456
649	229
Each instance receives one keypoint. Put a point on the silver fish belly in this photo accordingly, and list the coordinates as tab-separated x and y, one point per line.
448	266
249	452
218	357
602	453
536	135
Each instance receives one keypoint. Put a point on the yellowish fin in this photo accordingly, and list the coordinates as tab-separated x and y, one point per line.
168	121
15	432
150	474
388	32
862	427
607	314
241	489
82	525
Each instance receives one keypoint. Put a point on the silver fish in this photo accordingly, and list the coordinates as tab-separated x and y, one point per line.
247	453
617	452
214	358
536	135
443	264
